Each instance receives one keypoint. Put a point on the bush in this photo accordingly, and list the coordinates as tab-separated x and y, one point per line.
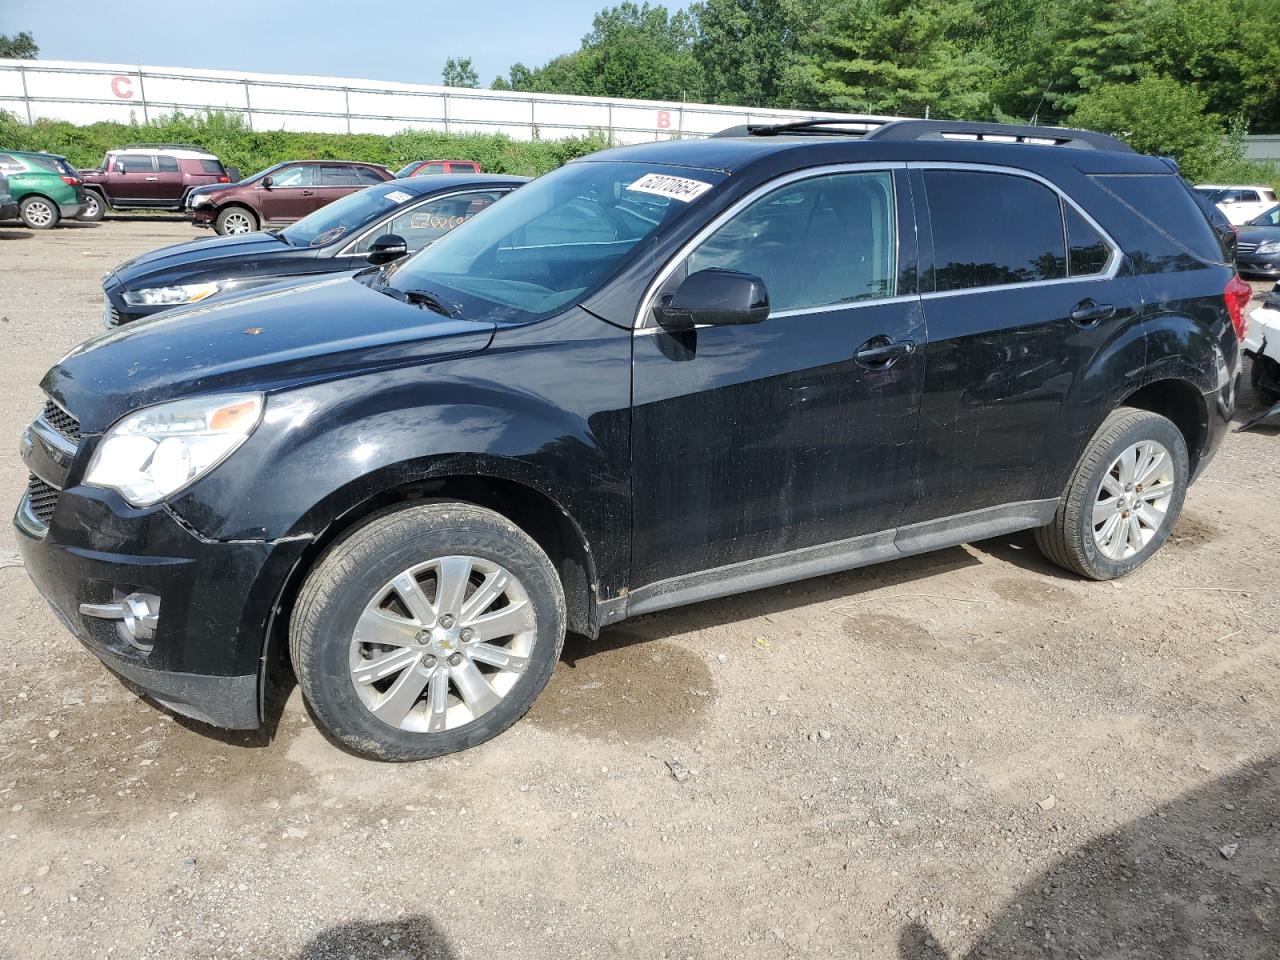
228	136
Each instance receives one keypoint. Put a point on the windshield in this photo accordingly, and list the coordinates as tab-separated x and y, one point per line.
550	243
405	171
340	218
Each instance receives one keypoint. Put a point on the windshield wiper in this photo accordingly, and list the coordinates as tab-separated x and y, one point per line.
423	298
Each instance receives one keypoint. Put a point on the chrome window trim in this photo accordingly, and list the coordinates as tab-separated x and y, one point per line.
1108	273
643	322
349	249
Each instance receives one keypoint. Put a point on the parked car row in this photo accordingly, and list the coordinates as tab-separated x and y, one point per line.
660	374
183	178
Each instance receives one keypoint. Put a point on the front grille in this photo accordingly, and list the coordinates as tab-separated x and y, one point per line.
60	420
110	315
42	498
1242	247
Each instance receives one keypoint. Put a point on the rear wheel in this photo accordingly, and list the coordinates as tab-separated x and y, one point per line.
232	221
95	207
1123	499
427	630
39	213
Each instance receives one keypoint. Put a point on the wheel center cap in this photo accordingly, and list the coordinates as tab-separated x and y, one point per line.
444	642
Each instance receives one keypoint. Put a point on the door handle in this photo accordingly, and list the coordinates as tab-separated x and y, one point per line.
1087	313
880	352
152	178
306	193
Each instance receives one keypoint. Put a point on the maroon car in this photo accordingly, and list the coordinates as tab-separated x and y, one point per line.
426	168
149	176
280	194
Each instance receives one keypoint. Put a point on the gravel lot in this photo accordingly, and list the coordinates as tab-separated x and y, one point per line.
968	753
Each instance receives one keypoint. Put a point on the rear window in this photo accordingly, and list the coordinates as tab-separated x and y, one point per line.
1165	202
55	165
212	166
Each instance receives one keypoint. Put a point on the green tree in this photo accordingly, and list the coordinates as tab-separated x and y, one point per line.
1158	115
19	47
459	73
900	57
749	51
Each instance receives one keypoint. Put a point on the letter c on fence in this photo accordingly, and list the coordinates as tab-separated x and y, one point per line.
664	119
120	86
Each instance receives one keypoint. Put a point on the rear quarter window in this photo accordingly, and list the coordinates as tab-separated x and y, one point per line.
212	166
1166	204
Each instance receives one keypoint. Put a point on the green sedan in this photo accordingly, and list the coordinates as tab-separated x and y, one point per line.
45	187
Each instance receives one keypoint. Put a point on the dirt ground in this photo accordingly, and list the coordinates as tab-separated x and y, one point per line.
965	754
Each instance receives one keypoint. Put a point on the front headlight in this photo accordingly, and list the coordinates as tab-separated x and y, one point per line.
155	452
199	200
170	296
1270	246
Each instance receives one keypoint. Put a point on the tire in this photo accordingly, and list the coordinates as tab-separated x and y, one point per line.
350	598
96	207
1266	396
39	213
1071	540
234	220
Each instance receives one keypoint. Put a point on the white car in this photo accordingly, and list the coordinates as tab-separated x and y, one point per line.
1241	203
1262	345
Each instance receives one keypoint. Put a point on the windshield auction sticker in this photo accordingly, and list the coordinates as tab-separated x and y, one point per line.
674	188
398	196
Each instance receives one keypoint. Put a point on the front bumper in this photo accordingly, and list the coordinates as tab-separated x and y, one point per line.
201	216
216	599
1259	265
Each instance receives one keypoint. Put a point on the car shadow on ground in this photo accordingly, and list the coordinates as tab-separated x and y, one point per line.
415	937
1197	878
11	231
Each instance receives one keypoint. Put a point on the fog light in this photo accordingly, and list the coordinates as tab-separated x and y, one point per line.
138	613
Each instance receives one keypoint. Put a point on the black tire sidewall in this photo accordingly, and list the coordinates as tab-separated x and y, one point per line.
1164	432
325	673
92	196
30	201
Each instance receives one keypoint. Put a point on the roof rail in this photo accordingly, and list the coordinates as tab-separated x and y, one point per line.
845	126
998	133
882	128
163	146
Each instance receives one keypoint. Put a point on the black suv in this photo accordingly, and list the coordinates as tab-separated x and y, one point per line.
657	375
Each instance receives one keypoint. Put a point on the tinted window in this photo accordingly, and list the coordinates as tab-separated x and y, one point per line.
368	175
430	168
1165	202
1269	219
338	177
817	242
167	164
991	229
53	165
212	166
463	168
9	163
431	221
137	164
303	175
1087	253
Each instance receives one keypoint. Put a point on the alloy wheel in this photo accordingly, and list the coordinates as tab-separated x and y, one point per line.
1133	499
39	213
442	643
237	223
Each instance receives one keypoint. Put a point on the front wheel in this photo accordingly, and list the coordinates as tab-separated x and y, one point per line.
95	208
234	221
39	213
427	630
1123	499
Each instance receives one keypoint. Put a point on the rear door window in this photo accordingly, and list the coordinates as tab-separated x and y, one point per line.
1165	202
167	164
993	229
429	169
367	175
1087	253
338	177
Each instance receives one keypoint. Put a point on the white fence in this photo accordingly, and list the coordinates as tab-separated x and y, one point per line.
91	92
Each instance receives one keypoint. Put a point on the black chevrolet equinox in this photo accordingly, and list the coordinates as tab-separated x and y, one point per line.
660	374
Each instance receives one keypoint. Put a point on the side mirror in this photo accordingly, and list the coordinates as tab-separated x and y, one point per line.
715	297
266	183
386	248
117	168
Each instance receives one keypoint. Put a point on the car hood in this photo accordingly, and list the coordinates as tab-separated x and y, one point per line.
208	252
264	340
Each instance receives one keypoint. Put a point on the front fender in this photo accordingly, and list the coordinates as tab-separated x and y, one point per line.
547	406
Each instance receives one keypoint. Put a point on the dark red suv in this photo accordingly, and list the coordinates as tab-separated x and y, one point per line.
151	176
280	194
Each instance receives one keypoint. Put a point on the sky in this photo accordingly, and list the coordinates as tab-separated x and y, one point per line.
408	42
